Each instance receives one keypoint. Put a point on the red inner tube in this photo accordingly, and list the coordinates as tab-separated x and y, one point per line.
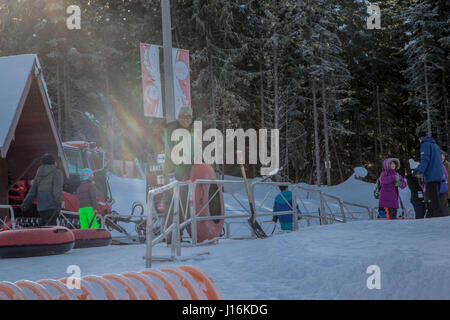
207	230
36	236
83	234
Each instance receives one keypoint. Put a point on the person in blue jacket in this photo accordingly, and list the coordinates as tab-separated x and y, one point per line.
430	170
283	202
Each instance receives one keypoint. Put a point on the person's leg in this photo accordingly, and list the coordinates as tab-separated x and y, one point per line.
443	200
84	219
432	195
393	213
44	216
90	214
419	209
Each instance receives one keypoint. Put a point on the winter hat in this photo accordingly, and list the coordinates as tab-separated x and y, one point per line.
86	174
421	132
185	110
413	164
48	159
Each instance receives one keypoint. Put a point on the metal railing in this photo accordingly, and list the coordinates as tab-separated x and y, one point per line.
332	210
12	218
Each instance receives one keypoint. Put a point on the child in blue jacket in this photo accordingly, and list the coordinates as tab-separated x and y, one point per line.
283	202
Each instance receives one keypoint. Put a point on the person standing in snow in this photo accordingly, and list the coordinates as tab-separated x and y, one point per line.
48	189
389	182
447	167
430	170
87	200
414	186
182	171
443	190
283	202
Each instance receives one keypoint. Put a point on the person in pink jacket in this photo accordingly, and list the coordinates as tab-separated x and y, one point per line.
389	182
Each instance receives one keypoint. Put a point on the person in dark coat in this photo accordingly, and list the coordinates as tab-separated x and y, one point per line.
180	172
390	181
417	199
47	187
443	190
87	200
431	171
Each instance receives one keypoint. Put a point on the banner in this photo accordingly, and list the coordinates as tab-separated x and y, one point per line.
151	81
181	79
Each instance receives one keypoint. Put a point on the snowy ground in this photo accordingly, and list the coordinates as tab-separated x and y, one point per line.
317	262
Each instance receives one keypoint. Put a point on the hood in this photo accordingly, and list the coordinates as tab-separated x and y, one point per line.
387	164
428	139
45	170
287	194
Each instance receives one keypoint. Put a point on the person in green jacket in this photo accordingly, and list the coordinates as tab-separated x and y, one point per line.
47	187
180	172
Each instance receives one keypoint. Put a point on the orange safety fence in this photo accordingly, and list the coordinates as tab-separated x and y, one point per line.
175	283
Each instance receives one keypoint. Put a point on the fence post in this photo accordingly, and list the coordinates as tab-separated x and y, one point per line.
193	212
341	206
322	208
176	220
294	208
149	233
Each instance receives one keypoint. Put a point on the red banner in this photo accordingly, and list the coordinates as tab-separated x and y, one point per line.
181	79
151	81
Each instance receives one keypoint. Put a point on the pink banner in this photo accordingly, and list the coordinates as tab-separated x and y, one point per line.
151	81
181	79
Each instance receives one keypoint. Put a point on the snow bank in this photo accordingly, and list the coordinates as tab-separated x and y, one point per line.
323	262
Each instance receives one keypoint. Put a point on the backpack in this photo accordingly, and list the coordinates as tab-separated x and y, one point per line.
376	192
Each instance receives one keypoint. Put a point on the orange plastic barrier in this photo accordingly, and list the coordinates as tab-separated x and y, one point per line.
181	283
33	290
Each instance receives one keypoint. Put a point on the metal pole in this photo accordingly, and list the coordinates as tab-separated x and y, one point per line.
176	220
193	207
149	233
168	66
294	208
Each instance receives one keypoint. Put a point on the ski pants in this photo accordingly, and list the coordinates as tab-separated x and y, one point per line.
48	217
387	213
432	199
444	204
419	208
86	216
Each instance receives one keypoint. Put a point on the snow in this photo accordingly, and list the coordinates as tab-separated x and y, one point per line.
317	262
14	72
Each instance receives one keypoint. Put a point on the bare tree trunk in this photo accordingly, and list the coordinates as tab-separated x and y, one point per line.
375	144
66	104
337	157
275	80
316	133
380	135
325	132
261	87
445	105
427	99
58	95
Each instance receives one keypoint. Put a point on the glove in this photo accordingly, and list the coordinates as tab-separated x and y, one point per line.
397	182
275	219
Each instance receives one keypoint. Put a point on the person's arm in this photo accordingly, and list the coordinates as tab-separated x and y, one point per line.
93	197
31	195
58	188
402	184
425	156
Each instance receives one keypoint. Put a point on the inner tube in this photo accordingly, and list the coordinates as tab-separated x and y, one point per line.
34	242
210	229
89	238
